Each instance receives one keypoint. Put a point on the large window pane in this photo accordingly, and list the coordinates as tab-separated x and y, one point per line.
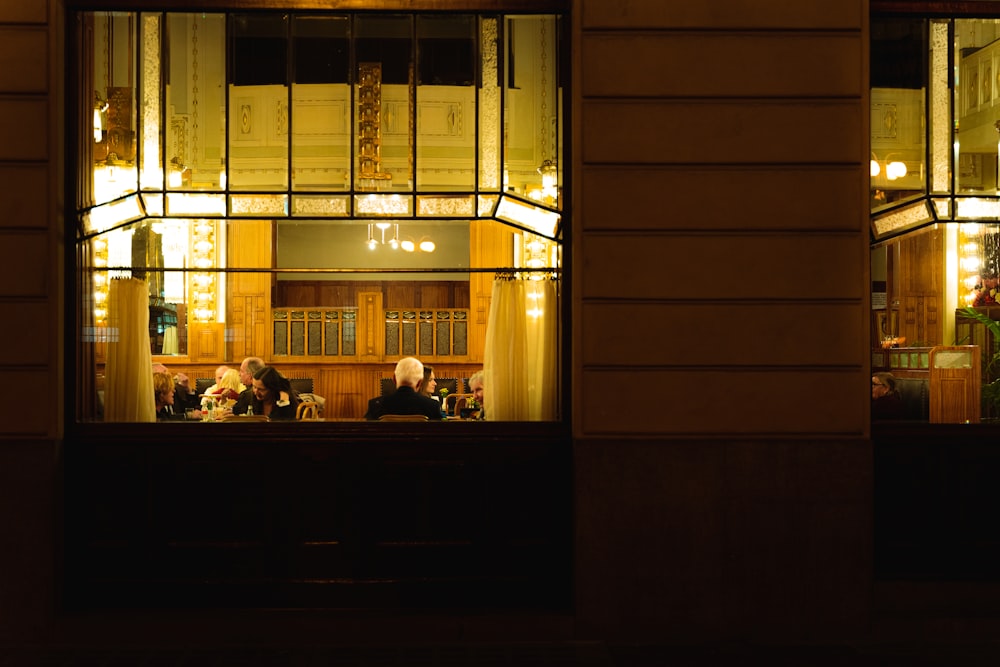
258	103
899	72
321	103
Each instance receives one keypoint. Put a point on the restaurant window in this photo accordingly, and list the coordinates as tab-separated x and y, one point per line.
327	191
935	212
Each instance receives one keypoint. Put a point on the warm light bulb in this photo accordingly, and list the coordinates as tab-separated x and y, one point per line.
372	244
876	168
408	245
427	246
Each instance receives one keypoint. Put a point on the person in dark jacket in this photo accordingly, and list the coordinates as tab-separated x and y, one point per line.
407	399
886	401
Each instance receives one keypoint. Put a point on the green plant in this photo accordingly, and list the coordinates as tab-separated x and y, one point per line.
991	388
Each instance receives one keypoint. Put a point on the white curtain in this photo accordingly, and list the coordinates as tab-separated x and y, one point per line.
128	374
521	355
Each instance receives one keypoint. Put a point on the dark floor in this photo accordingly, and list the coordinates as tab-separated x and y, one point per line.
570	654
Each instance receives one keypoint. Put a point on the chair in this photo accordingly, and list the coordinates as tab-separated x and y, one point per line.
307	410
403	418
201	385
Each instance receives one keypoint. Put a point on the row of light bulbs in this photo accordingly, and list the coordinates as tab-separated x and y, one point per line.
408	245
893	170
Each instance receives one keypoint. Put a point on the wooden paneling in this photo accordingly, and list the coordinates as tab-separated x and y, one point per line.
731	14
723	267
723	131
249	244
21	188
23	60
24	336
22	272
740	64
704	401
23	12
308	520
721	198
34	416
720	334
24	128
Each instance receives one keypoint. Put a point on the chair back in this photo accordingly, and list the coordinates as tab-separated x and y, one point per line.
307	410
403	418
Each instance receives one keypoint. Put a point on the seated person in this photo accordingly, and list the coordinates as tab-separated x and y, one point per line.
429	384
163	396
886	400
273	395
477	385
184	395
228	390
244	403
219	372
406	400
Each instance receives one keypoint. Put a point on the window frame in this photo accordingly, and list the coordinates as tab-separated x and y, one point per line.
78	129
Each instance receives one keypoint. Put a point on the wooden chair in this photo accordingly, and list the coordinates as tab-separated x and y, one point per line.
307	410
403	418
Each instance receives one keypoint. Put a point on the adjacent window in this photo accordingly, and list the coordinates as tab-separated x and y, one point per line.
935	196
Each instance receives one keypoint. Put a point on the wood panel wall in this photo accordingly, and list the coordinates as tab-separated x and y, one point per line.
720	316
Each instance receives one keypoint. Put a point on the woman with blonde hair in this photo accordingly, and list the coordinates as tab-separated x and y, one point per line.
228	389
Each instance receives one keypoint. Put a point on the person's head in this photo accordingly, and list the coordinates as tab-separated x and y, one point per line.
476	386
163	389
248	368
219	372
430	383
268	384
229	380
883	384
409	373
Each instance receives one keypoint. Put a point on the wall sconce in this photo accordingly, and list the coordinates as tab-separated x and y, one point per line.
203	289
100	249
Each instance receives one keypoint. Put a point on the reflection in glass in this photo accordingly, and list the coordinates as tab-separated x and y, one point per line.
383	51
114	105
321	103
195	137
532	110
446	98
977	104
899	71
258	103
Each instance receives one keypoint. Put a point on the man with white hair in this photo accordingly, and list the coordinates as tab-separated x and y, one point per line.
407	399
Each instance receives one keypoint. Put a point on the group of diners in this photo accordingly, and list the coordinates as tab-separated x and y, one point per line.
255	389
259	389
415	385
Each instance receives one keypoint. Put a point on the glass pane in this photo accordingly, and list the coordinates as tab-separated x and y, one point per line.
196	122
383	117
258	103
114	105
977	104
490	133
321	103
442	246
899	72
531	109
446	103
